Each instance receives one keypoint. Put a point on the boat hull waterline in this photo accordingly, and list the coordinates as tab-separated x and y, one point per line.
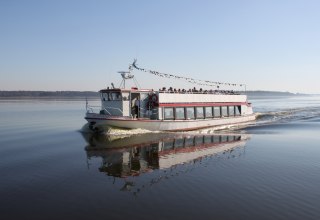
98	123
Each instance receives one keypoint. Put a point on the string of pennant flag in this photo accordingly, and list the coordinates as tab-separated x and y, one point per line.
188	79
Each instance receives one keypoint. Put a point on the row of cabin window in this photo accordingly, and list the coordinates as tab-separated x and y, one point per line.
111	96
115	96
182	113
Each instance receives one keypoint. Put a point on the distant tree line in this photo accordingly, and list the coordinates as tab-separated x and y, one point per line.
269	93
48	94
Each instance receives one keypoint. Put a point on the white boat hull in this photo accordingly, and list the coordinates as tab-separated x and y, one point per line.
102	122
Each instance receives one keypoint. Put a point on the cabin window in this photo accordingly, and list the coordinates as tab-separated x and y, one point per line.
180	113
224	111
105	97
231	110
199	111
115	96
168	113
111	96
237	110
208	111
190	112
217	112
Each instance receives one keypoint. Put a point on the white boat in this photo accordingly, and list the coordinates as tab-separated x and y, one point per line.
168	109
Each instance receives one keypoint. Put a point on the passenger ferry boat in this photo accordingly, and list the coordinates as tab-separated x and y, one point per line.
167	109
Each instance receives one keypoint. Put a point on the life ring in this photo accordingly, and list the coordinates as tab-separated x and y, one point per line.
153	98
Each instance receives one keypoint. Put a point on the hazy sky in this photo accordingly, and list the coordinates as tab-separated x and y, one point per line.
81	44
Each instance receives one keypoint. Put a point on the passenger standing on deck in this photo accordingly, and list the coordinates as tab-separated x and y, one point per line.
137	107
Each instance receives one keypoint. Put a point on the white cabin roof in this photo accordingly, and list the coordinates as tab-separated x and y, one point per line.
190	98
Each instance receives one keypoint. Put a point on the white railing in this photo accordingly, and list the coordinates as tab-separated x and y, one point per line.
91	108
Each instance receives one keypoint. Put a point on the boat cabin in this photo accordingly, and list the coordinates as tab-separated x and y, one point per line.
128	103
166	105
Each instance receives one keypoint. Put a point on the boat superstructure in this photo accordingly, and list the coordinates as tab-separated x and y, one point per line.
168	109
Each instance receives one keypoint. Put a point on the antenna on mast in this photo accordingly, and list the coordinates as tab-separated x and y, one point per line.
127	75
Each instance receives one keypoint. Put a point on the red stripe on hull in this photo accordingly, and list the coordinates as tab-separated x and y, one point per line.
208	104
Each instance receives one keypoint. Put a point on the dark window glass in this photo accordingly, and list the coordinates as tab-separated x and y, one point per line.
224	110
199	112
208	111
237	110
168	113
115	96
231	110
180	113
190	112
217	112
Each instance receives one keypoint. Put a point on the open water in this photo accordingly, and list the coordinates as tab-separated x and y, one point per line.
51	168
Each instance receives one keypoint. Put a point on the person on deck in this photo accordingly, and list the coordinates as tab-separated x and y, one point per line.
137	107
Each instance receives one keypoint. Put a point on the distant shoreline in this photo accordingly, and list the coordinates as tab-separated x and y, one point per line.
49	94
91	94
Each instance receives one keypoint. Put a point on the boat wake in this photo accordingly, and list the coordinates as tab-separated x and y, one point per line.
117	132
288	115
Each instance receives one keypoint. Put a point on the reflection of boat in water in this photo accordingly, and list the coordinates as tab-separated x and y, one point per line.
132	156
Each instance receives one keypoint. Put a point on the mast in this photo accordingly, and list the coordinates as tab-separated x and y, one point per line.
127	75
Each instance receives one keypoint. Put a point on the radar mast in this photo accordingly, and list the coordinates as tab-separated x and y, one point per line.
127	75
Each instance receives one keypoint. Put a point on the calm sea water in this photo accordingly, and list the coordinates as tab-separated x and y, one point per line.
51	170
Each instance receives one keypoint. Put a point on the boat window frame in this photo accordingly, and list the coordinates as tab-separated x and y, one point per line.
224	111
214	112
205	111
115	96
237	107
176	114
111	96
186	113
196	112
231	108
104	96
164	113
